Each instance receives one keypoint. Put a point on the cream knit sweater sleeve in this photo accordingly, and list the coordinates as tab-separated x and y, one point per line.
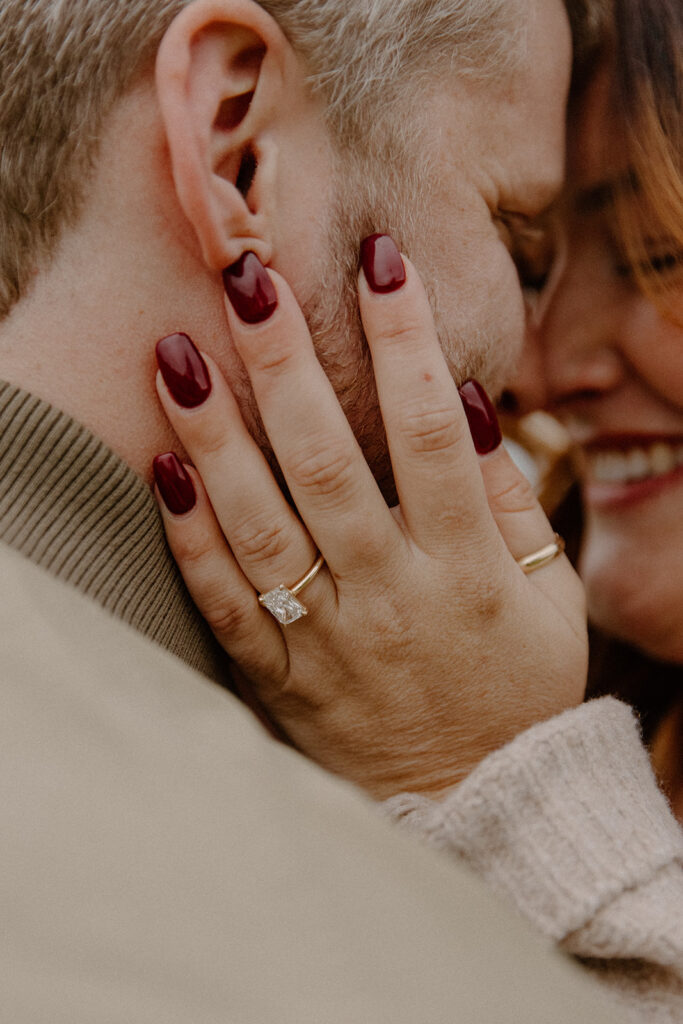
568	822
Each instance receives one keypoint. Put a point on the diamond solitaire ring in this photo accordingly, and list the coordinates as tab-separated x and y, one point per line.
283	603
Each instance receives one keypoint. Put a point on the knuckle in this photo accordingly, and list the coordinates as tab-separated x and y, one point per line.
324	471
193	552
406	332
271	357
229	619
261	543
225	614
458	516
428	430
208	436
487	601
271	363
513	496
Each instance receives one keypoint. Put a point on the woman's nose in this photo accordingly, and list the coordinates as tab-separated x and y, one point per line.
578	331
579	338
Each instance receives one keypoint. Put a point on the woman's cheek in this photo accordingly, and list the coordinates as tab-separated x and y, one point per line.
655	351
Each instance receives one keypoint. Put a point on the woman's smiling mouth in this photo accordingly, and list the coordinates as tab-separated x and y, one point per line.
619	471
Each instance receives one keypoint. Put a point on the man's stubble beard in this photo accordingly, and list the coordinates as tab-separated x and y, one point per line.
394	202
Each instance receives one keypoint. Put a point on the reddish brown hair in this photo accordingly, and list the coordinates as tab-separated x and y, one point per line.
648	102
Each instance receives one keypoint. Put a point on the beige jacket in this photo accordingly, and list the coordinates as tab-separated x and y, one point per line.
163	860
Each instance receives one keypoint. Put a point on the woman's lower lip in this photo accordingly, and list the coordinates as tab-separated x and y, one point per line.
622	495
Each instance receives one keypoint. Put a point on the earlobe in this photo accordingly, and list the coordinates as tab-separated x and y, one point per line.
218	69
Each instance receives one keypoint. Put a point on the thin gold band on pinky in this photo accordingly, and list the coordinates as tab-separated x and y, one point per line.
536	560
282	602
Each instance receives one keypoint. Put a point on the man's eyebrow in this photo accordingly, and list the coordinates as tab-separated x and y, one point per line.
602	195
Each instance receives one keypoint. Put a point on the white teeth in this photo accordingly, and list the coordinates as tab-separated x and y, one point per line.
637	464
663	458
609	468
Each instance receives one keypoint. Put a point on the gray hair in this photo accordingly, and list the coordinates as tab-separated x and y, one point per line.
64	63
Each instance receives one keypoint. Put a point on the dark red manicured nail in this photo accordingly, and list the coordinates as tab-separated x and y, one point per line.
382	263
248	285
184	371
481	417
174	483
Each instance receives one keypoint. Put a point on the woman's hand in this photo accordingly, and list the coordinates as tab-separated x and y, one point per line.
425	646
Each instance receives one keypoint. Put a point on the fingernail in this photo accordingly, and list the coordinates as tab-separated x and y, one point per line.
248	285
481	417
184	371
174	483
382	263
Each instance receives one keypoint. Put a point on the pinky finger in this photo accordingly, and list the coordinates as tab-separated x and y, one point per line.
222	593
521	521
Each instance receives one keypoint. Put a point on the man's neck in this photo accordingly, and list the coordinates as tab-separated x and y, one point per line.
84	340
129	272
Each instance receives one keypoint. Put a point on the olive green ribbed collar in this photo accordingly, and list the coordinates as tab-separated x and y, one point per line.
72	506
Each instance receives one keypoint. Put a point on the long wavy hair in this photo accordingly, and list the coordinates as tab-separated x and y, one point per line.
644	45
647	98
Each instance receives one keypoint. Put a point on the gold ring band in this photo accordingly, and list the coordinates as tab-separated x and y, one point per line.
310	575
536	560
282	602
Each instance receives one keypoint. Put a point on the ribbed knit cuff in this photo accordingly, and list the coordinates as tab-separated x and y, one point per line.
562	820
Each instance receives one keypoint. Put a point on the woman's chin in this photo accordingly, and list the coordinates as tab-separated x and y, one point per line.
632	569
640	615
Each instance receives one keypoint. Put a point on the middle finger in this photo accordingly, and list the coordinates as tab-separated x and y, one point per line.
326	472
435	465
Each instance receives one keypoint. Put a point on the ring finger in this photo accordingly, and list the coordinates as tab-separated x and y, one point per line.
266	537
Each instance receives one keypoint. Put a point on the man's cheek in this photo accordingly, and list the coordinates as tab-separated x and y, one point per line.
494	335
508	309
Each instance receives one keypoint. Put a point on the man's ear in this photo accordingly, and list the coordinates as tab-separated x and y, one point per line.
220	75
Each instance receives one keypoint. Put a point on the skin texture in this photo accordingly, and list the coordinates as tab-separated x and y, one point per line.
425	646
609	364
164	216
607	359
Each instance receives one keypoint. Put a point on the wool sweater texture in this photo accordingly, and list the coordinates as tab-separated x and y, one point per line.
567	821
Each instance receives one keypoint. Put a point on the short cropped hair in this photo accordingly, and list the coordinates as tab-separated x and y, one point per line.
64	63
